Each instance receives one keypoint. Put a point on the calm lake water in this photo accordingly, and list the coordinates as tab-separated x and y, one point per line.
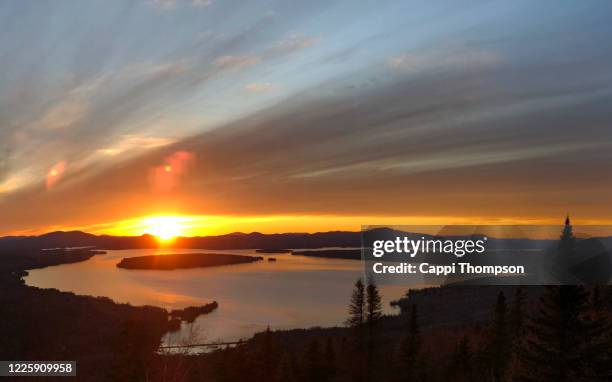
293	292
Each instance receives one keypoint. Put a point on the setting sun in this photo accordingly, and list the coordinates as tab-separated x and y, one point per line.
165	228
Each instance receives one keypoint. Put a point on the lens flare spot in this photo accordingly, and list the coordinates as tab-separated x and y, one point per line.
171	173
55	174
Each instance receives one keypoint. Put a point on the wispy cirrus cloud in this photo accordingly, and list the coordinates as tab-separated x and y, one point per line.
442	59
13	182
63	114
133	144
279	49
236	62
294	43
260	87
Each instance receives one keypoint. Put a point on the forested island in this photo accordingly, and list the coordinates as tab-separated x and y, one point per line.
350	254
273	250
184	260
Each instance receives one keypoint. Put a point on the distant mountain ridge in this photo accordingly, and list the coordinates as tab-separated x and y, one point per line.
235	240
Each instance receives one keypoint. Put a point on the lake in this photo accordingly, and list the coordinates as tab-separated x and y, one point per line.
293	292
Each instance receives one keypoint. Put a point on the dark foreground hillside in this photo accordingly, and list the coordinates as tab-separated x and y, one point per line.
118	342
496	343
109	341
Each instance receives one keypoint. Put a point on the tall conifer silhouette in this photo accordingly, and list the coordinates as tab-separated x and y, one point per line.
500	341
410	350
356	309
565	343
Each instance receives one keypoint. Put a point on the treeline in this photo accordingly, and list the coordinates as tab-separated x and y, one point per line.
567	339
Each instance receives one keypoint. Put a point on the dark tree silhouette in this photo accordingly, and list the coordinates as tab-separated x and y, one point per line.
357	306
313	370
356	321
567	241
373	316
461	365
500	342
410	360
517	313
565	344
373	307
517	329
329	360
286	371
266	356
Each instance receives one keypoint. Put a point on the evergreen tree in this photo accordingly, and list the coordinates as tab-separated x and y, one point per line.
410	349
313	370
373	306
517	328
357	306
567	241
373	316
286	369
267	355
329	360
499	346
517	314
356	320
565	343
460	368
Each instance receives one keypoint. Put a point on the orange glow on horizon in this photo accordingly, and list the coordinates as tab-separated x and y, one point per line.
168	226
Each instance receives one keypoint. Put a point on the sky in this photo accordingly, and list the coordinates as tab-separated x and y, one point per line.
303	116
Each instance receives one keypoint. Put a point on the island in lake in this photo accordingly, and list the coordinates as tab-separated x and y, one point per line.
273	250
184	260
349	254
